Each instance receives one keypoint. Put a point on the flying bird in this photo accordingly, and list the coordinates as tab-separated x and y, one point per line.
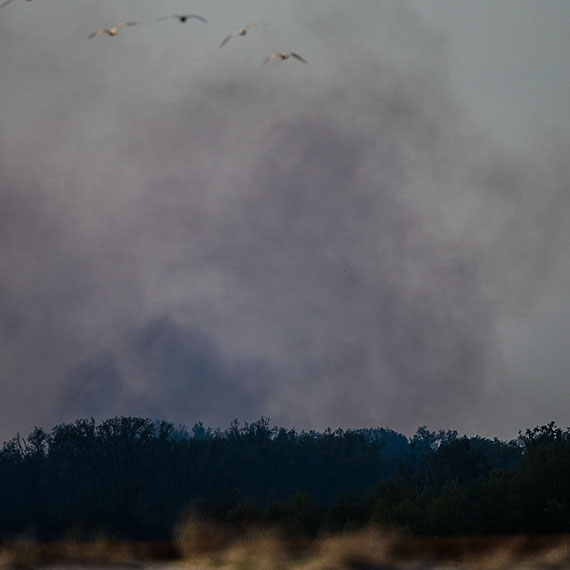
111	31
240	32
6	3
183	18
283	56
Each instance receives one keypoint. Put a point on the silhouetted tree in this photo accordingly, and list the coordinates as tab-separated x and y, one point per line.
135	477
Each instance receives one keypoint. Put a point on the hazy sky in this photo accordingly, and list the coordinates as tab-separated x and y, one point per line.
380	237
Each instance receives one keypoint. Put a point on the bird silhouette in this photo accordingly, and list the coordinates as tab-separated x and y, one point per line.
283	56
240	32
183	18
111	31
6	3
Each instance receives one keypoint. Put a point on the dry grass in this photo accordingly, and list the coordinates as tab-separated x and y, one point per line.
201	545
24	554
206	546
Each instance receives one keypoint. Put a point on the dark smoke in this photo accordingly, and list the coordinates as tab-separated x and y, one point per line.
328	247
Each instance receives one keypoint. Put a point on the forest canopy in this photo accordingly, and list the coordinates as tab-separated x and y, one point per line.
133	477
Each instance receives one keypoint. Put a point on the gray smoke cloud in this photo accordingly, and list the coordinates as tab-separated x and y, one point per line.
331	244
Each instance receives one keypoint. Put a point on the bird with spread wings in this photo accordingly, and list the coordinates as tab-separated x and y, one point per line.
284	55
240	32
111	31
183	18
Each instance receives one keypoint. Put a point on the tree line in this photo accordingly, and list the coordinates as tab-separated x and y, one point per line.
133	477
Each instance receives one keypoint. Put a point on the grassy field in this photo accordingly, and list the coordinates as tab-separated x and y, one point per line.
201	546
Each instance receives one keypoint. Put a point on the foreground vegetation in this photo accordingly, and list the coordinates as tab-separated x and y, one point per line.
202	545
133	478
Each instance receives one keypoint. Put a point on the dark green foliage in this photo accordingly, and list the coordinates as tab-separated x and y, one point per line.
135	478
348	512
301	515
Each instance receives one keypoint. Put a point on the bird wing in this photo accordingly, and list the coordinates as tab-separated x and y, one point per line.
166	18
254	24
5	3
227	39
297	56
96	33
270	57
115	29
195	17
